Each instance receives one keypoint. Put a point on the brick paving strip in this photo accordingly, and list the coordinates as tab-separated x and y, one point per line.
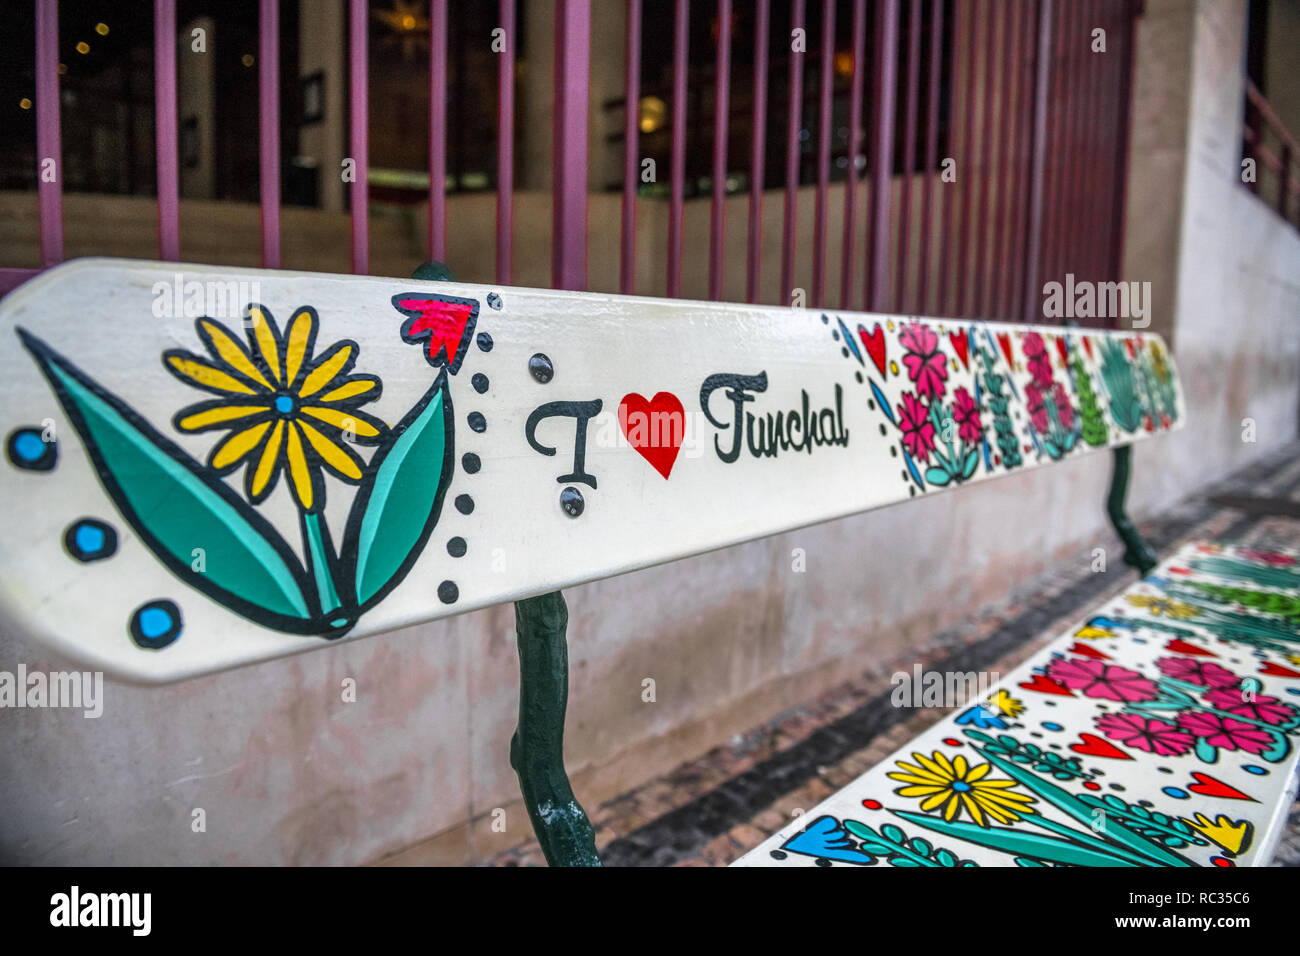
710	811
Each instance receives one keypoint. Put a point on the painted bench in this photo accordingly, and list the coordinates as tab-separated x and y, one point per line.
210	467
1161	730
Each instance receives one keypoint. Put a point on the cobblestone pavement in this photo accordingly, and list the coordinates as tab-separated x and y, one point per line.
710	811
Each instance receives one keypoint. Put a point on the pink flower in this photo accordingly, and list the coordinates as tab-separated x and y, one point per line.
918	433
926	365
1265	709
1204	673
1142	733
1101	680
1226	733
1064	412
1040	365
967	415
1037	410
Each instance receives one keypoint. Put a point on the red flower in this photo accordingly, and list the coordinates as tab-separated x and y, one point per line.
926	364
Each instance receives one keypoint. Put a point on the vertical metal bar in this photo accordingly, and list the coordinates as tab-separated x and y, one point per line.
1057	145
757	151
721	108
505	146
1002	165
877	284
1034	232
984	219
823	154
631	141
1102	134
1015	257
268	128
438	134
167	159
965	168
358	40
1137	553
48	139
949	203
794	124
931	155
909	152
856	135
681	37
569	192
1124	120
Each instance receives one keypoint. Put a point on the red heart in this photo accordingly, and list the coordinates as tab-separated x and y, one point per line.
1063	350
961	345
1210	787
1277	670
1004	340
1045	685
1086	651
1087	347
1180	646
874	343
655	428
1094	746
1132	352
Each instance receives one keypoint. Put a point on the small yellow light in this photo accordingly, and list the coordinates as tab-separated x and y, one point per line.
408	22
25	103
247	59
83	47
844	63
63	69
101	29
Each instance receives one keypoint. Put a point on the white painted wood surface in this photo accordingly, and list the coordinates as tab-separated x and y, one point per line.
896	408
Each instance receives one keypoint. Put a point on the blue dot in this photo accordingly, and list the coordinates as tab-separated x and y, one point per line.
89	538
1293	690
1175	792
1048	725
1256	769
1139	640
284	404
156	624
29	450
29	446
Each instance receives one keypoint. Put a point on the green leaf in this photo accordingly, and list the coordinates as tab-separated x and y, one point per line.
400	497
176	505
1016	842
972	460
937	477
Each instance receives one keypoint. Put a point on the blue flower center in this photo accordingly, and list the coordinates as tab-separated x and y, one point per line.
283	404
961	786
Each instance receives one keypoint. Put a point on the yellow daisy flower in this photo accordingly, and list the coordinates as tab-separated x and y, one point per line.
1160	605
954	785
284	408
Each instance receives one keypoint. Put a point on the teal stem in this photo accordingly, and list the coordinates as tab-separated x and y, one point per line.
323	561
537	747
1137	553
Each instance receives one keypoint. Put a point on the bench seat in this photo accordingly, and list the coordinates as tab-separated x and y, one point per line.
1161	731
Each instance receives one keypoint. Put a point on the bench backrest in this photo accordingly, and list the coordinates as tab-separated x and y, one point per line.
212	466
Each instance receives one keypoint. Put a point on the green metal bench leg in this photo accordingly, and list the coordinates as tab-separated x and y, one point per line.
537	748
1137	553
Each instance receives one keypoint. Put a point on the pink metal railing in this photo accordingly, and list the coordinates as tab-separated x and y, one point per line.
1036	127
1266	139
